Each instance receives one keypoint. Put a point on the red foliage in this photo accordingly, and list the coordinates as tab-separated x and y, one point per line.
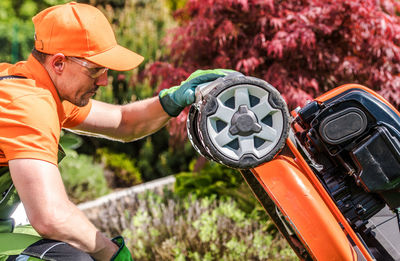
302	47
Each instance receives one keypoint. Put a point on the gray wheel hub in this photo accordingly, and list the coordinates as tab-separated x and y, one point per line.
244	122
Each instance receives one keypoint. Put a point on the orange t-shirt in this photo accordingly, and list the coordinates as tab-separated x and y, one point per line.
31	113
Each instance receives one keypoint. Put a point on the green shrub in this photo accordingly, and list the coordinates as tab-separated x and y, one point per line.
83	179
125	173
146	160
213	178
200	229
219	180
173	5
156	159
175	160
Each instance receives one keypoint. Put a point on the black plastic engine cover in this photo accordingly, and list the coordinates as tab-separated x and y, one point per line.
378	161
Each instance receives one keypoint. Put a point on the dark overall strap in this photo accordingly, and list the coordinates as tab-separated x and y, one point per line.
11	77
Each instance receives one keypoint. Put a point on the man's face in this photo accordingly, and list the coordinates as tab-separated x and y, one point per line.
80	81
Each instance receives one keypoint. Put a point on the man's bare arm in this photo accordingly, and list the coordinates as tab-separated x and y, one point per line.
51	213
125	122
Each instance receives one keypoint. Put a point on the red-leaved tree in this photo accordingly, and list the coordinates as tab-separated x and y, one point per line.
302	47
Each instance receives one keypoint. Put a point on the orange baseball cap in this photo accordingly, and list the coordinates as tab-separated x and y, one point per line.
81	30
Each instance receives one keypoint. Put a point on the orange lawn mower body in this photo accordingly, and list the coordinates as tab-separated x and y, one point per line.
330	181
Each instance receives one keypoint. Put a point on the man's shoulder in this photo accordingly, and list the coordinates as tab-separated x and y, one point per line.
12	89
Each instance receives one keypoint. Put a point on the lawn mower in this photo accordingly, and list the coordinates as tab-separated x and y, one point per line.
328	173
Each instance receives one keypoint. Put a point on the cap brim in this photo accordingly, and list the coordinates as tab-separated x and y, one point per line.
117	58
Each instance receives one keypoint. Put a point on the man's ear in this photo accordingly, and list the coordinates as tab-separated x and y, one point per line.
57	63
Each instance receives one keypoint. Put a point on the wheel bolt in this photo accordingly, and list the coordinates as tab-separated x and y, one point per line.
244	122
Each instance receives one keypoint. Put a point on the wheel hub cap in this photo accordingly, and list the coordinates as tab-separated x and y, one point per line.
244	122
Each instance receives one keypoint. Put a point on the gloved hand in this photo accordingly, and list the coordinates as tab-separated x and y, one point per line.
175	99
123	253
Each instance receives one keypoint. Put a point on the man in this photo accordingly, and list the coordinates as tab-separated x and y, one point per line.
74	48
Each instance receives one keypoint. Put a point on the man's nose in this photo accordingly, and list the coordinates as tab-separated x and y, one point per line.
102	80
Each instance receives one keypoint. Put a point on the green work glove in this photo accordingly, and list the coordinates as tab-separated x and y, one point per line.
176	98
123	253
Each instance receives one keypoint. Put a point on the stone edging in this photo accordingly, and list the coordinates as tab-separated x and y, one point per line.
108	213
151	185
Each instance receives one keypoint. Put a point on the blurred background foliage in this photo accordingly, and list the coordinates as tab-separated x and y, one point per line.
16	28
84	179
218	180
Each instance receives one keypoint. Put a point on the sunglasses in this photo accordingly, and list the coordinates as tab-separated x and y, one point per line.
94	72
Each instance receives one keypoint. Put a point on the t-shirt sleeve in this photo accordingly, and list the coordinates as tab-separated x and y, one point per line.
74	114
29	128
